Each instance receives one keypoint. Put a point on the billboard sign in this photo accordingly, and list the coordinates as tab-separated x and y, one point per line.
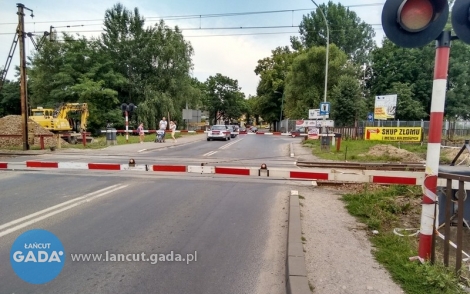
394	134
385	107
314	123
315	114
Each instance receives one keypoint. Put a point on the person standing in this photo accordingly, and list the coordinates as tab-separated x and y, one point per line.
162	125
140	130
173	130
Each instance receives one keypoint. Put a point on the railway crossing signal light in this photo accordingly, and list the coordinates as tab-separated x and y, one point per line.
414	23
461	20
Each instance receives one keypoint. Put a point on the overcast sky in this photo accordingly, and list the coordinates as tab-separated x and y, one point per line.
217	49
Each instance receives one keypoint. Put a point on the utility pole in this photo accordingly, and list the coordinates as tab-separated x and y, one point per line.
23	85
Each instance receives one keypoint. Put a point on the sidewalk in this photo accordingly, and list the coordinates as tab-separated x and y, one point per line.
338	253
146	146
132	148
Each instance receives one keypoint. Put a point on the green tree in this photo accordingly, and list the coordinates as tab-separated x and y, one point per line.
347	105
149	67
273	71
156	62
407	107
305	82
415	67
10	102
392	64
75	71
347	31
223	98
458	98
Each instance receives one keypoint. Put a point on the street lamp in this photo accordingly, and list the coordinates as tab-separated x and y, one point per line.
326	66
282	104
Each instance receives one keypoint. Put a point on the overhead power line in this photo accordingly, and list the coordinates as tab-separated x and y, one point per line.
196	29
199	16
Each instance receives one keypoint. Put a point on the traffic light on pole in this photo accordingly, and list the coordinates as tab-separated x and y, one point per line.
461	20
124	108
414	23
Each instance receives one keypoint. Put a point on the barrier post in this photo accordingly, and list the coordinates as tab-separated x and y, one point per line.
127	128
41	142
338	142
84	139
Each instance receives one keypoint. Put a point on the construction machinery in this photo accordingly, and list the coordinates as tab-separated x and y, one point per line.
60	121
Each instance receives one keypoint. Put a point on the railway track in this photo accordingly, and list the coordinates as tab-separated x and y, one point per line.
365	165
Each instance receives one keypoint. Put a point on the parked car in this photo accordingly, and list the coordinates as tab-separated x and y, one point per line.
218	132
233	131
254	129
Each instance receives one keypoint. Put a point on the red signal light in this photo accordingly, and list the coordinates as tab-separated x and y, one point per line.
414	23
415	15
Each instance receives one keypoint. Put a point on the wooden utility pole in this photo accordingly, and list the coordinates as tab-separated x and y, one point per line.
23	89
23	83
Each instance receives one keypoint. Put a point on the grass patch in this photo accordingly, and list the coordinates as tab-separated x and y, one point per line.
100	142
356	150
380	210
301	197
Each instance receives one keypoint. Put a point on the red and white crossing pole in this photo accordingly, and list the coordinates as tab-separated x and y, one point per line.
127	127
429	203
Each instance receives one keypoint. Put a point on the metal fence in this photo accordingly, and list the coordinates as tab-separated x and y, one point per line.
450	129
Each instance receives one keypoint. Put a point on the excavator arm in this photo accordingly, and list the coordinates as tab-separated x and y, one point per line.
4	72
65	108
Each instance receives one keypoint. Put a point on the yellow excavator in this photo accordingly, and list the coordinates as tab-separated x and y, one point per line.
58	121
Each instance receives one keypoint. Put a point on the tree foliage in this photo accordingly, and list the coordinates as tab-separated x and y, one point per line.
10	102
347	31
347	102
223	98
128	63
273	71
305	82
410	72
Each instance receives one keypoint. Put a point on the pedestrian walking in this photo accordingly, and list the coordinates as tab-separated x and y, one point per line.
162	125
173	130
140	130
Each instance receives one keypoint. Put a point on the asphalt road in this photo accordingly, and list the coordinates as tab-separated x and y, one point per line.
237	228
244	150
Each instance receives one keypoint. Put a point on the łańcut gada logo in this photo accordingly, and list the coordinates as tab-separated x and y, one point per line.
37	256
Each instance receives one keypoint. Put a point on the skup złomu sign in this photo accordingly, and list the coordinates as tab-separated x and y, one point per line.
394	134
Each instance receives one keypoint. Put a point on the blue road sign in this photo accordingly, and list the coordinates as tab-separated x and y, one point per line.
324	108
370	116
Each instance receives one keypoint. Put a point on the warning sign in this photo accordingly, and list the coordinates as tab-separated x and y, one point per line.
393	134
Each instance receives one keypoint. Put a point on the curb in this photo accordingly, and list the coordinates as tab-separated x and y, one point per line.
292	150
296	270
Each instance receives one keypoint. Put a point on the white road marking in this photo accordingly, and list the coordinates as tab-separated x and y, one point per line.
230	144
142	150
74	202
210	153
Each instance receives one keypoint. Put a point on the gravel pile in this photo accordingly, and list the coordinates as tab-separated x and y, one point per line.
12	125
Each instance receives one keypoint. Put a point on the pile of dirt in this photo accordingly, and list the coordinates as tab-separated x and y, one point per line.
394	152
12	125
